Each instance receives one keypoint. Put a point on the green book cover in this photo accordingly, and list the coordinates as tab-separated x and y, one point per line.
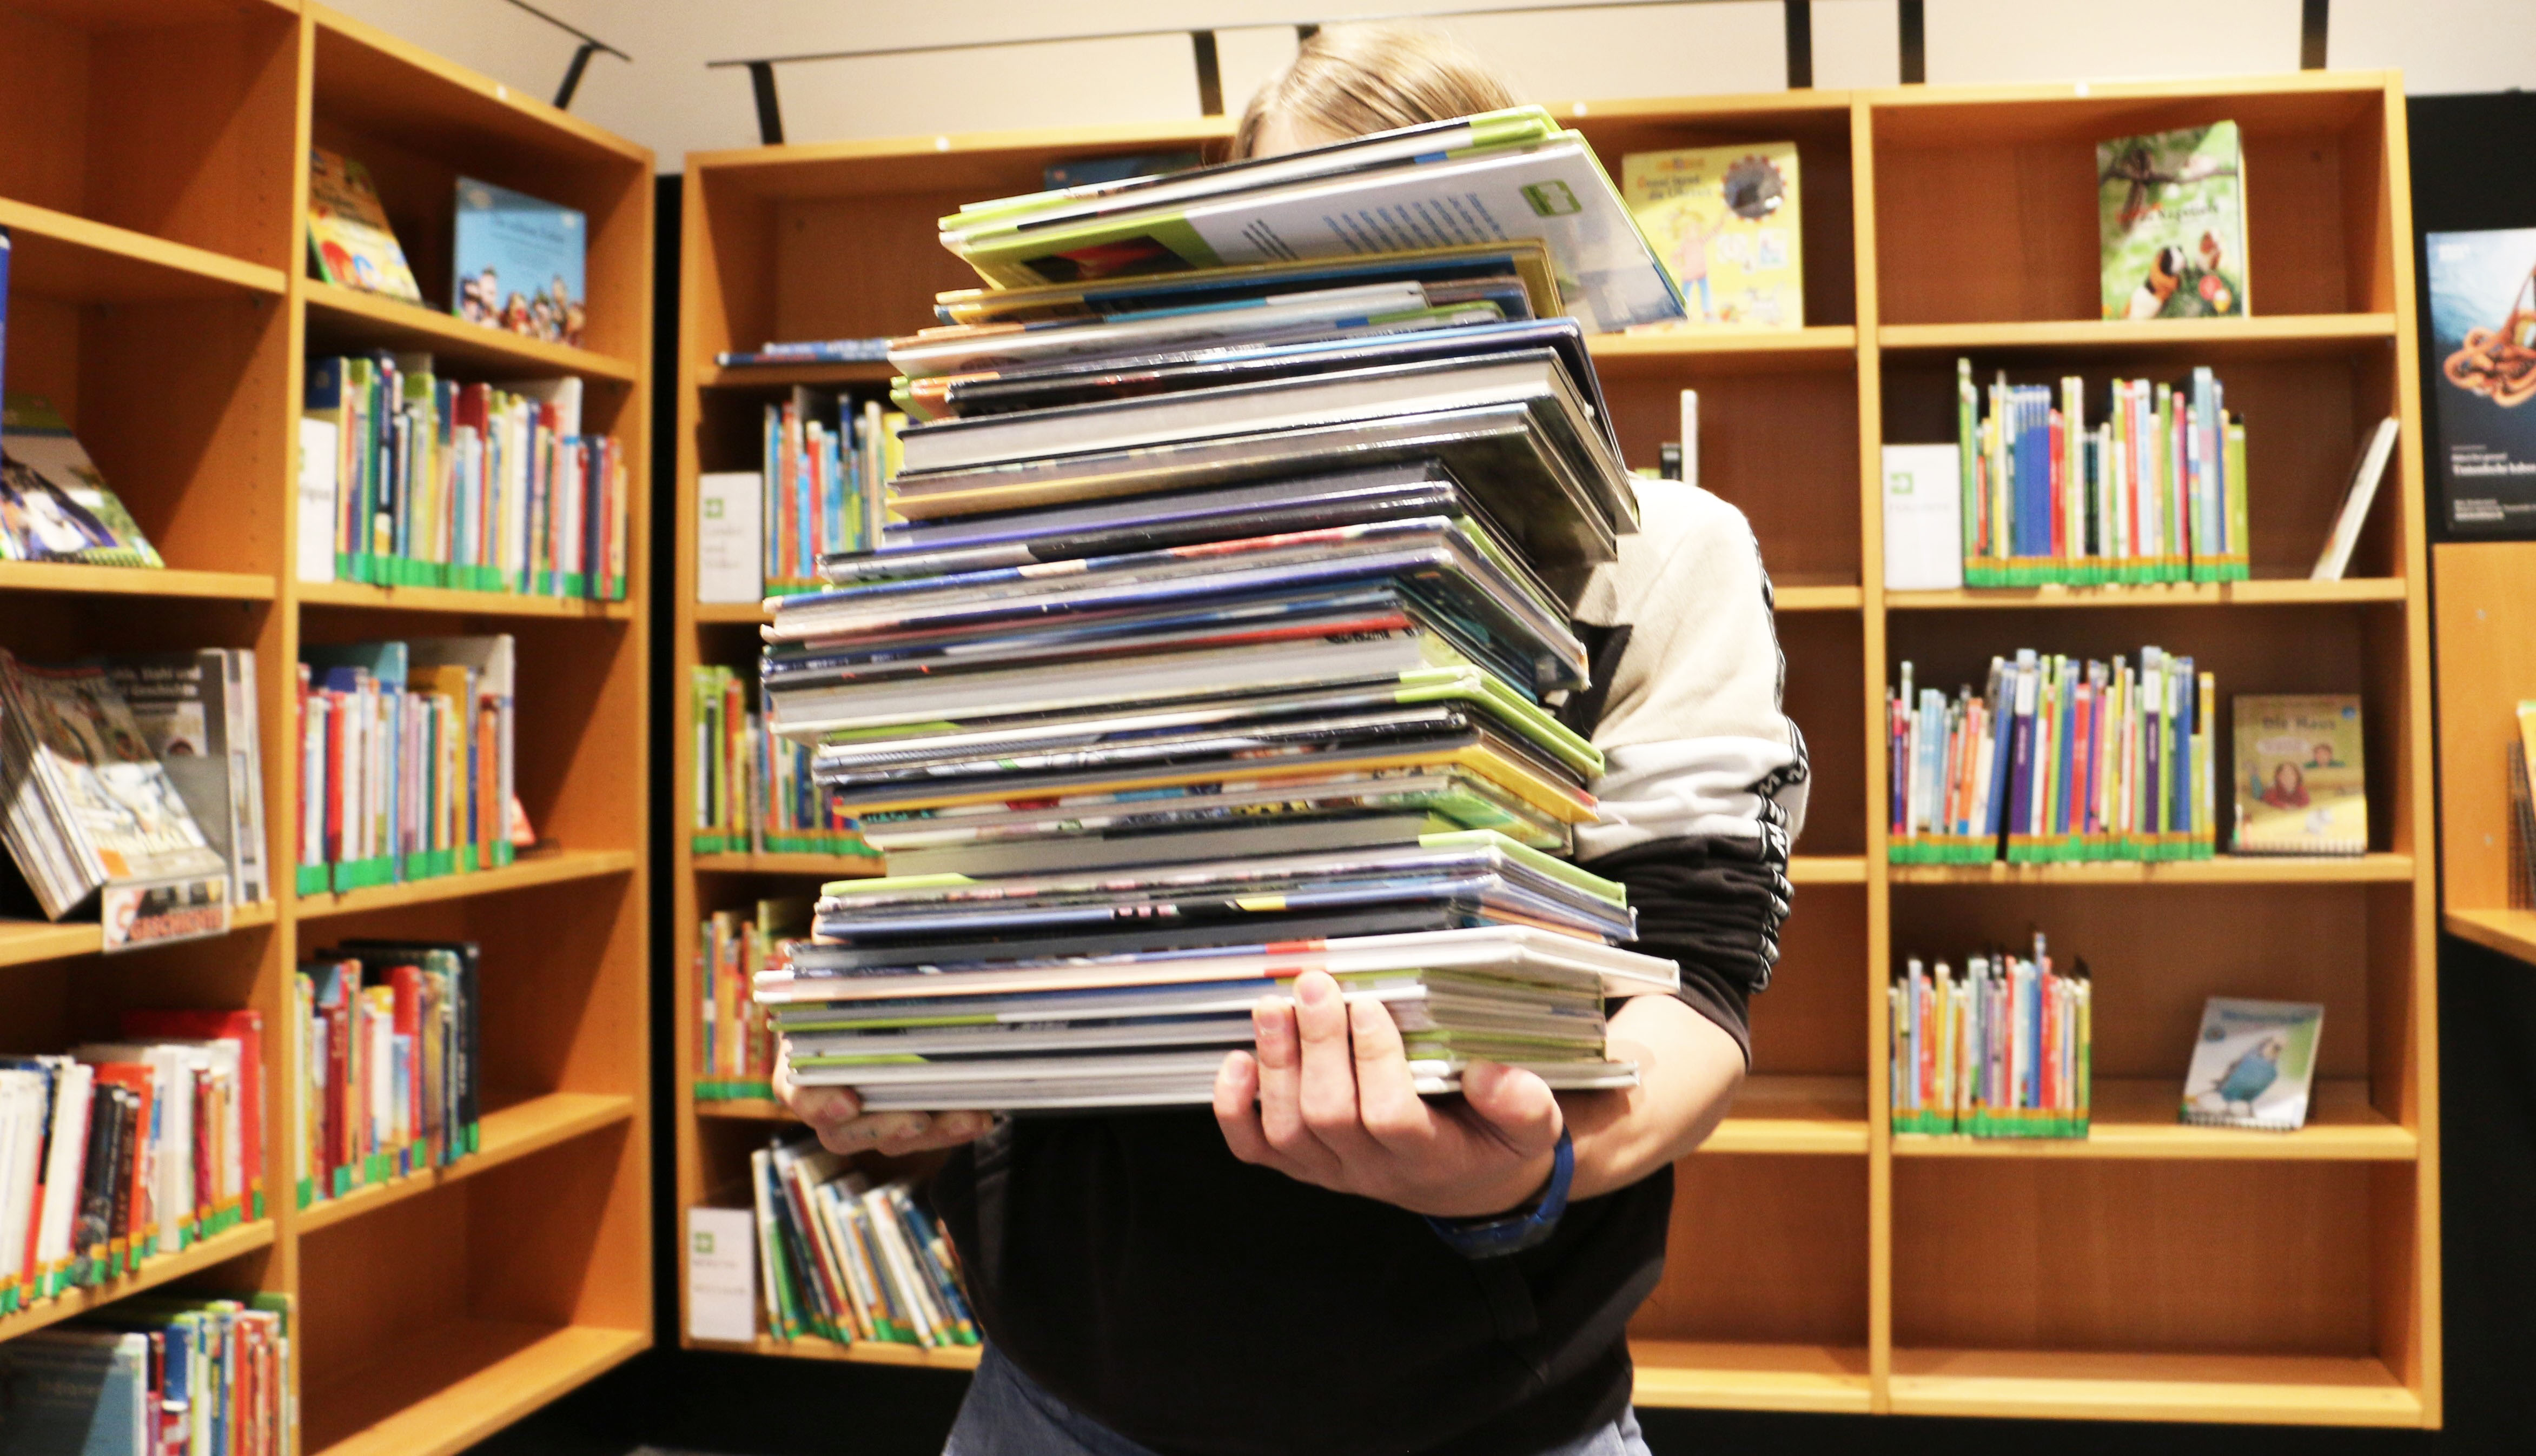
2171	218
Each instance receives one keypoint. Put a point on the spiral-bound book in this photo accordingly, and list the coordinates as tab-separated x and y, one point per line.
2254	1064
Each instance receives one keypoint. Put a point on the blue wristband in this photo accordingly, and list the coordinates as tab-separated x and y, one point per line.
1495	1237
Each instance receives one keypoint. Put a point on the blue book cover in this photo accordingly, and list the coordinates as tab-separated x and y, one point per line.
519	263
71	1392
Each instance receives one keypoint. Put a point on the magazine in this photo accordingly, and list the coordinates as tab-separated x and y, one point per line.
2252	1064
2171	216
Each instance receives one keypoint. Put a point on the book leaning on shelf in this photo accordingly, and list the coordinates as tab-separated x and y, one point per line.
407	761
2003	1049
54	502
197	715
2301	783
2054	759
435	483
390	1057
120	1152
156	1375
756	790
847	1260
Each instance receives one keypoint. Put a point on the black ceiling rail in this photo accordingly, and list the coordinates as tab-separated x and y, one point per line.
589	45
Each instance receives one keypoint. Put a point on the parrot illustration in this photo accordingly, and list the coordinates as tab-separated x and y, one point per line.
2249	1075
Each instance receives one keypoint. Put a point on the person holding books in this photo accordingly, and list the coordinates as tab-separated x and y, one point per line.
1330	1262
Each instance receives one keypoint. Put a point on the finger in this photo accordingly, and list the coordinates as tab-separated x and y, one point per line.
898	1133
1279	1053
1237	1109
871	1133
822	1106
1327	1088
1514	1106
1387	1100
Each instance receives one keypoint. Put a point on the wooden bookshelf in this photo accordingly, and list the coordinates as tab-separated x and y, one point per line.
1920	1275
157	298
2487	645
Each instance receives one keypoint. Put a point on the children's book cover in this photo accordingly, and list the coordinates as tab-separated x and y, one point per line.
519	263
2252	1064
1726	223
2301	785
349	237
2171	214
2483	332
54	506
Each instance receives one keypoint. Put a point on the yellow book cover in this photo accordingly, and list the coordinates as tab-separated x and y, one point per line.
348	236
2301	785
1727	224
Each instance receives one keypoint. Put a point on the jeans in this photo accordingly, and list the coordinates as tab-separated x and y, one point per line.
1006	1414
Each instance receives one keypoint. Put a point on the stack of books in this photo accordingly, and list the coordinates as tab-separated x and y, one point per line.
2002	1050
845	1259
405	760
156	1374
1215	646
390	1069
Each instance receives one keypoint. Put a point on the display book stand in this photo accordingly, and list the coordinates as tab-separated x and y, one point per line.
151	172
2107	1278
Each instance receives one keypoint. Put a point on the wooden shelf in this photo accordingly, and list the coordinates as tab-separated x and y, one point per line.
509	1132
134	581
346	318
834	866
451	1385
732	611
1826	869
25	941
1713	349
2296	1390
2261	593
771	377
746	1110
1784	598
2134	1117
2512	932
55	255
368	77
475	603
2224	869
1683	1373
524	873
220	1248
860	1352
1795	1115
2208	340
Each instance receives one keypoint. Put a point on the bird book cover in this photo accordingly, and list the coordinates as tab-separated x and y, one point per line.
2300	784
2483	332
1726	221
2171	214
519	263
2252	1064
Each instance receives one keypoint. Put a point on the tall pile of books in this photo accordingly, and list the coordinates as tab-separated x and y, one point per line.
390	1063
157	1375
1213	644
844	1259
405	760
2002	1050
2056	759
120	1152
2154	492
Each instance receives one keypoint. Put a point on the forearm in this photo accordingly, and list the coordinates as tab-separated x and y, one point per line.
1688	1069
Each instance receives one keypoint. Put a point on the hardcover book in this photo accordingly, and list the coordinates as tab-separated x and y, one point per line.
2171	214
2302	787
519	263
349	241
2483	332
1726	221
2252	1064
54	505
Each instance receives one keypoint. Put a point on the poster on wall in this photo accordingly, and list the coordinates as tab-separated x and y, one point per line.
2483	344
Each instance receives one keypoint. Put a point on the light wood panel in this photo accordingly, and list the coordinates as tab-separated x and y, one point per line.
2487	645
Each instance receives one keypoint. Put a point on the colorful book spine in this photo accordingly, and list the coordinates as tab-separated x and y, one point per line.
826	460
846	1260
2002	1048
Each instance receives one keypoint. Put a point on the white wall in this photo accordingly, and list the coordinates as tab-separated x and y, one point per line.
668	101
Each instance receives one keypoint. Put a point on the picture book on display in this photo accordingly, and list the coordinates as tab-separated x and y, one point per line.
54	504
2002	1050
2254	1064
351	244
2301	784
1726	223
518	264
2483	332
196	713
2171	218
153	1374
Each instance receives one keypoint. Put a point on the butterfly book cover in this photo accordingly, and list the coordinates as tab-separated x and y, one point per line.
2254	1064
2171	214
1726	221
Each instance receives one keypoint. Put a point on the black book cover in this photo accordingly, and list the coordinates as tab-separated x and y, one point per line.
94	1227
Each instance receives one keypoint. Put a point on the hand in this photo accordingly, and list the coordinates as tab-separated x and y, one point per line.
1327	1099
837	1115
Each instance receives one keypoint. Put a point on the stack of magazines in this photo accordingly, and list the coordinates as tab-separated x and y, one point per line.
1215	641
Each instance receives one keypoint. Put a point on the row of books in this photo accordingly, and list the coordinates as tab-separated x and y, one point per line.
157	1375
2002	1050
517	262
406	760
136	784
2054	759
410	480
734	1039
755	790
118	1152
390	1063
846	1259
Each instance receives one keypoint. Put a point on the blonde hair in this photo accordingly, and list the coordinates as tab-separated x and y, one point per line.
1356	79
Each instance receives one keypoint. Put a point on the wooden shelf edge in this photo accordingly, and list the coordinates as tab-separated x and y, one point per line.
1829	344
2300	1390
25	942
2512	932
747	163
2267	592
2320	328
835	866
1827	870
744	1110
2225	869
462	340
507	1134
861	1352
521	874
28	222
544	1363
729	611
710	375
135	581
1686	1374
483	87
444	598
220	1248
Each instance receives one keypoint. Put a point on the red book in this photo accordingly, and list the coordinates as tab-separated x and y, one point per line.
246	1028
407	982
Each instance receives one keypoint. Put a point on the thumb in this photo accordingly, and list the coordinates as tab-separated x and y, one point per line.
1516	1106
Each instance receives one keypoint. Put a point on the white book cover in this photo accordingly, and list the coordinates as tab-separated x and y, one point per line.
2367	469
1923	543
721	1273
2252	1064
319	444
729	567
